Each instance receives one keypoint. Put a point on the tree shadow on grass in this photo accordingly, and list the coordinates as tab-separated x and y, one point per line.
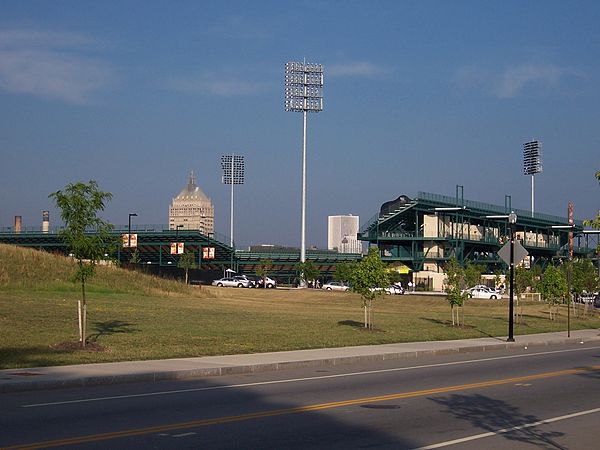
500	417
448	323
111	327
360	326
351	323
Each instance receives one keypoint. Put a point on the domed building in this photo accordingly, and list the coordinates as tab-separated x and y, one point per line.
192	210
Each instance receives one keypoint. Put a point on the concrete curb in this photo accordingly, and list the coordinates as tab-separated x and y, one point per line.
238	369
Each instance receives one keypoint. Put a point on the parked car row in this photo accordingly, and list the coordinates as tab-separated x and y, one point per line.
244	281
394	289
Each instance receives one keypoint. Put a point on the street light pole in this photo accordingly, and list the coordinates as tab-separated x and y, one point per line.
129	229
512	220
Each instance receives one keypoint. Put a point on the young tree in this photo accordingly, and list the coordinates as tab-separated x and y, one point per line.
455	284
553	288
307	271
343	271
186	262
265	266
523	280
368	279
87	236
473	274
583	278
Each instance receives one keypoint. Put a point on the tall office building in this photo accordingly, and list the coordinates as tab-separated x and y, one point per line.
341	234
192	210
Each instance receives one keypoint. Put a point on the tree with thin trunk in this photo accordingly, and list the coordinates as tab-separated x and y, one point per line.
583	279
473	274
343	271
264	268
88	237
186	262
455	284
368	278
307	271
553	288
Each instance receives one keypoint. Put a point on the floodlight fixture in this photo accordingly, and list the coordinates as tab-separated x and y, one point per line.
303	93
233	173
303	87
532	164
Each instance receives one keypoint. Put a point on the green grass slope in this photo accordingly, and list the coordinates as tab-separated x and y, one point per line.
33	270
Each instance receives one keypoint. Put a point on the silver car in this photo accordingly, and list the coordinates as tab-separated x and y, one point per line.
232	282
335	286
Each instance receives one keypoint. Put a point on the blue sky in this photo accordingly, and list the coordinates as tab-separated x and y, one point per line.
419	96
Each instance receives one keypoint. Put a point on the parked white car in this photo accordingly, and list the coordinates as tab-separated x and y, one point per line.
265	282
481	291
237	281
394	289
335	286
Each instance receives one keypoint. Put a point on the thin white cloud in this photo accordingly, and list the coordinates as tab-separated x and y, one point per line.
513	81
516	79
354	69
52	66
208	85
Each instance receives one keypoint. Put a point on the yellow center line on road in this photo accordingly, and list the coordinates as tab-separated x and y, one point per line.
294	410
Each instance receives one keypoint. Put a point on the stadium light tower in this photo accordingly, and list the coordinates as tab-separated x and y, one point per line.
233	173
532	164
303	93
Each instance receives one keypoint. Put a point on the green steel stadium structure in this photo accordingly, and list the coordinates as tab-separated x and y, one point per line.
421	233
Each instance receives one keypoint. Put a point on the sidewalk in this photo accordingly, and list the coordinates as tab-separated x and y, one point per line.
14	380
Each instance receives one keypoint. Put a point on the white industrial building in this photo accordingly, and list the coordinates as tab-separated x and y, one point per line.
342	234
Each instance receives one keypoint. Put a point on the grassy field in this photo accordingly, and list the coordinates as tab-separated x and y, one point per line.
135	316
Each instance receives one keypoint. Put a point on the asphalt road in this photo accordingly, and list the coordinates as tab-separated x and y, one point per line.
544	398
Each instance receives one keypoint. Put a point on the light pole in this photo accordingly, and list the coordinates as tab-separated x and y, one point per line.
512	220
303	93
177	231
532	164
129	229
233	173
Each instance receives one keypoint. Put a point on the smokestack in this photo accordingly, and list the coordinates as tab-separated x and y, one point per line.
18	223
45	221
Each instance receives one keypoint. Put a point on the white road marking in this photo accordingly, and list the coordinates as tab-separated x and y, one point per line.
183	435
507	430
296	380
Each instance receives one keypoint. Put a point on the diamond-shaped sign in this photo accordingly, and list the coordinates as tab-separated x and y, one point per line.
519	252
